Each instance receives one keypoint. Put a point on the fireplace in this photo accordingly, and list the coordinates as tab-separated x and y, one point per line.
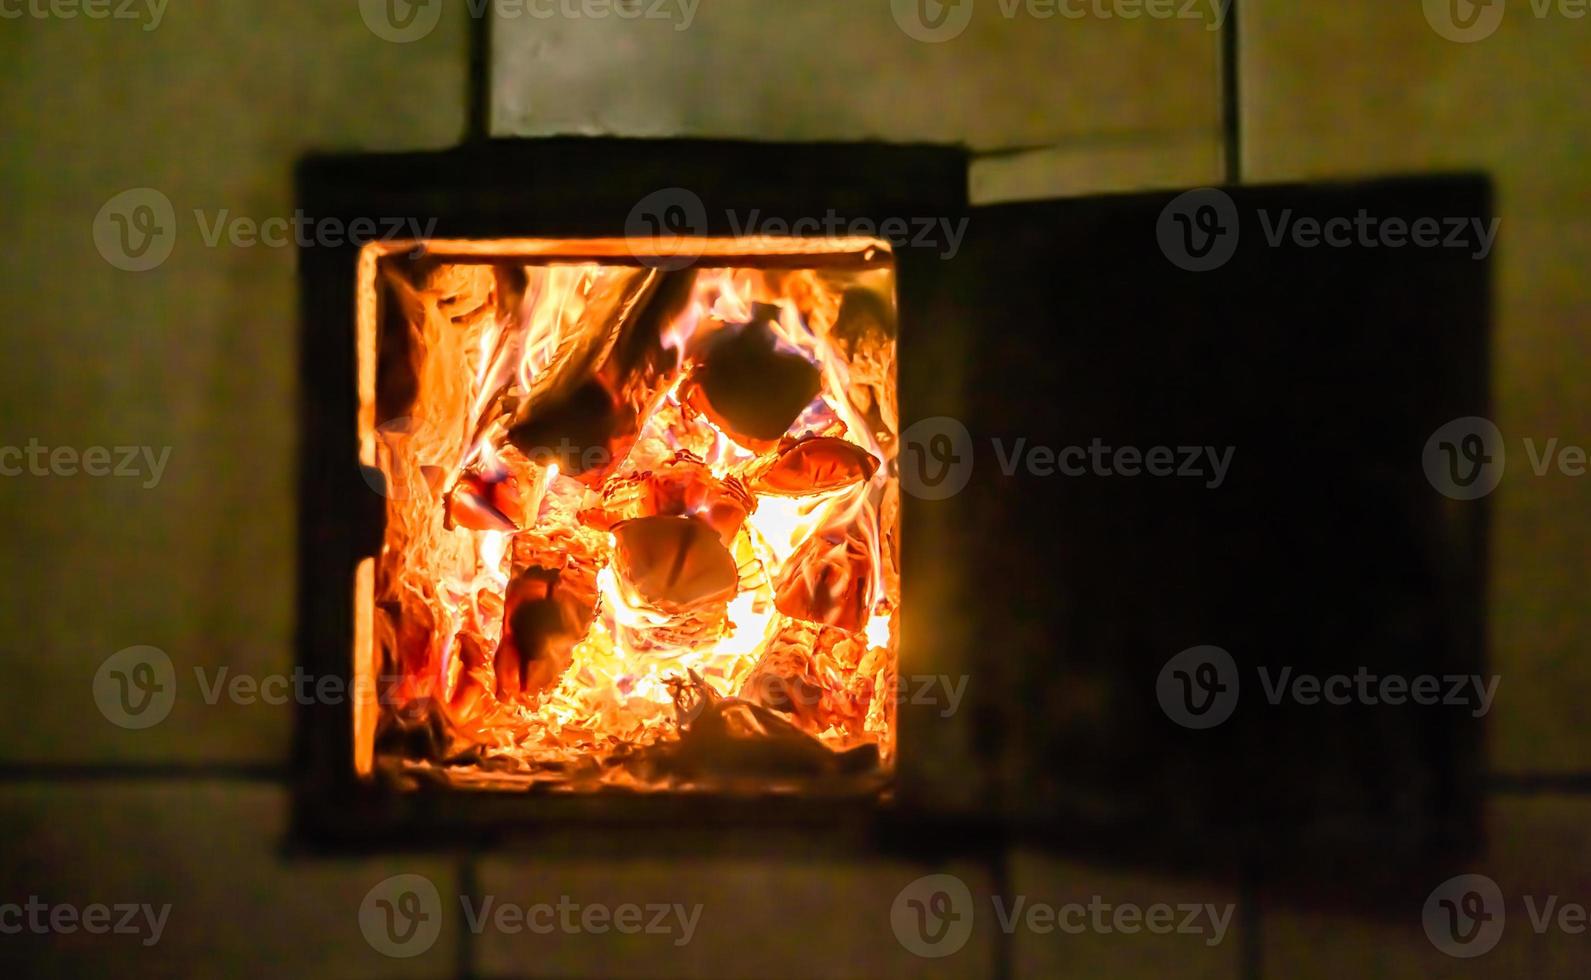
604	522
736	519
642	522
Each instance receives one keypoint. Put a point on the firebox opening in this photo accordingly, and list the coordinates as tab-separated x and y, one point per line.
642	515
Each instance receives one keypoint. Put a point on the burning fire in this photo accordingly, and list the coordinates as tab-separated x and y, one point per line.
642	525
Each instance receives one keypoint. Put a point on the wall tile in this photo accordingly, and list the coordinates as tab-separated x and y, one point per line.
212	851
1099	896
764	918
211	109
1365	87
1369	87
837	69
1194	161
1541	850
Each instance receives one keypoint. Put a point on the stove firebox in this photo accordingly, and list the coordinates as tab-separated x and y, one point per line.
642	515
644	525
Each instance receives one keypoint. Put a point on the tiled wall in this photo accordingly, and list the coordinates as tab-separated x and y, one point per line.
1371	87
1367	87
210	104
211	108
1058	104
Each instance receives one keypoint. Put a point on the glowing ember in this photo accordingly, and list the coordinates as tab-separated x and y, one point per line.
647	534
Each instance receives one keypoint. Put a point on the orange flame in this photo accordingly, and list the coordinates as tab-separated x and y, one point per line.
441	589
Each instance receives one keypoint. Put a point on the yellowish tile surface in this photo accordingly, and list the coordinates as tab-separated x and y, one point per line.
1205	922
1190	161
1371	87
753	919
1541	854
211	852
1015	73
210	109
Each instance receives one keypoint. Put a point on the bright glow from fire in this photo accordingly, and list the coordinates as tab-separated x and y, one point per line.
606	543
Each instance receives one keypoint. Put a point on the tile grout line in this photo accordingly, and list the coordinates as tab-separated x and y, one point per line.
1251	955
1251	959
1231	102
88	772
478	81
1005	943
1524	784
469	885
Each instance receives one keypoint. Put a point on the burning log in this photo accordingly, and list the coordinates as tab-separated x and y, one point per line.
424	297
829	581
480	503
670	421
872	685
817	465
674	563
559	536
790	678
407	635
747	386
864	333
602	385
783	679
729	737
546	612
681	487
502	495
467	694
465	294
849	705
